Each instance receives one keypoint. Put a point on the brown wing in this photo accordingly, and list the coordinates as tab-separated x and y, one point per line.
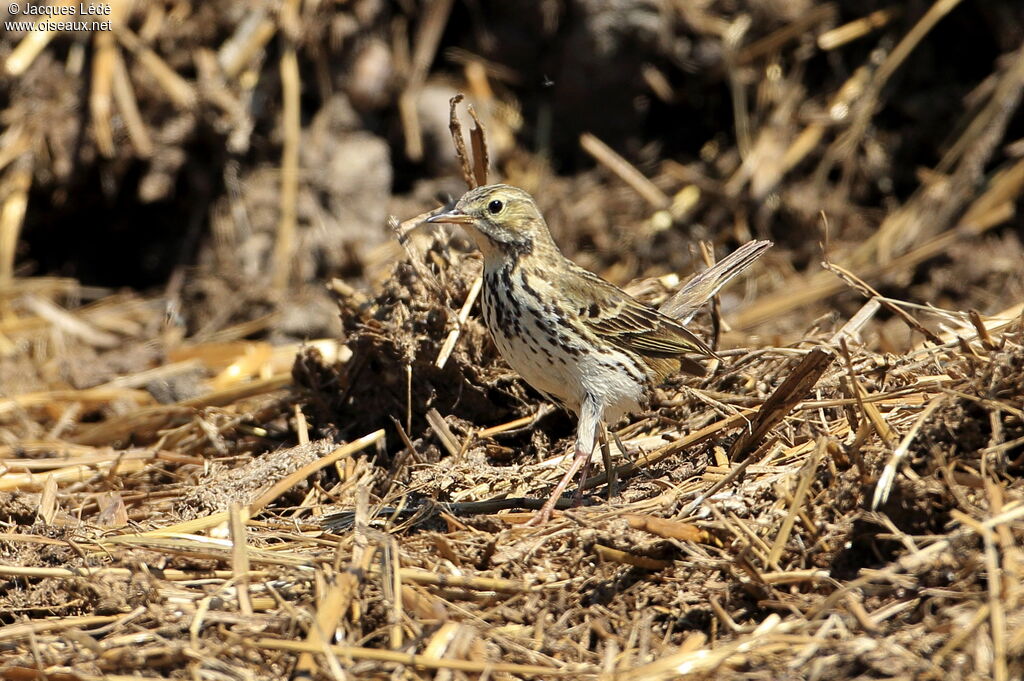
624	321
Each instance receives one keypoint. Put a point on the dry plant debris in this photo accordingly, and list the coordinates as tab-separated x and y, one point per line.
840	499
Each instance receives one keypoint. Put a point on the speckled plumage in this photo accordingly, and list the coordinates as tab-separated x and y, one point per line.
573	336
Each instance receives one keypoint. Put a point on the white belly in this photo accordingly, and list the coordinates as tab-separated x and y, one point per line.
555	362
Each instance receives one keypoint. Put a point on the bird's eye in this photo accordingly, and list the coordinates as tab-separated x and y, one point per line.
495	206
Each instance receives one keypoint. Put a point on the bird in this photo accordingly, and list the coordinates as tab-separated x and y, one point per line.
579	340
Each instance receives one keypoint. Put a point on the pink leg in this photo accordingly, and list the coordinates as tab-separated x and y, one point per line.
578	460
577	497
609	470
590	416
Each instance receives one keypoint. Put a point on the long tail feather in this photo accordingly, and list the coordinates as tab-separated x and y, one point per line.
701	288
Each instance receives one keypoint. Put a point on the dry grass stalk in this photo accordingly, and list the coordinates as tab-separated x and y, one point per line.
240	558
428	36
340	593
803	486
860	285
16	185
291	88
34	42
773	41
248	40
453	335
885	480
427	662
626	558
475	174
443	432
455	127
178	90
478	142
781	402
625	171
666	528
858	28
985	212
100	95
124	97
288	482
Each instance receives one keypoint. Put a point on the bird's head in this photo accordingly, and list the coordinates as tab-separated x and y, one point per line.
505	220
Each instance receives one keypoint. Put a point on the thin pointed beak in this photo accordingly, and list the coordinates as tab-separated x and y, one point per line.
454	216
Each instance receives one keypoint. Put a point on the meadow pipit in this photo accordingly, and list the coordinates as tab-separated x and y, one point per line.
581	341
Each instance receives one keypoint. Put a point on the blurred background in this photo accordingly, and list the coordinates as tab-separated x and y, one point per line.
200	299
226	159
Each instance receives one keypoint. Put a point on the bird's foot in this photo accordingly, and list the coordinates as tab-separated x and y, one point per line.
606	456
579	461
577	497
541	517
